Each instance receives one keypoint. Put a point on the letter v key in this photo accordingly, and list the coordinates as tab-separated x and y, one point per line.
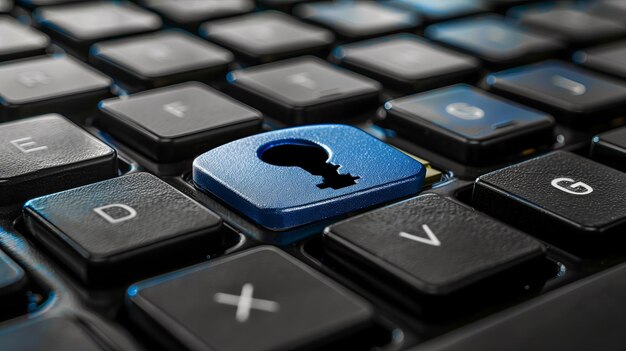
432	239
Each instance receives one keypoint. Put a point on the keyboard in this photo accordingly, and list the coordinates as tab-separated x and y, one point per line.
420	175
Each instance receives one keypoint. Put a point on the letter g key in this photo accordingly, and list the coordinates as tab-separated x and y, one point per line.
577	188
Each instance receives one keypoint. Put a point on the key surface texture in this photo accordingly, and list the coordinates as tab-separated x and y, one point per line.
48	153
276	302
433	244
101	229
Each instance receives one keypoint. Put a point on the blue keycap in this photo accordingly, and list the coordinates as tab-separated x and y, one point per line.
573	95
468	124
494	40
296	176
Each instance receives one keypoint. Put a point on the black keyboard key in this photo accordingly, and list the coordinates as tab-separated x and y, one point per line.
433	11
50	84
494	40
78	26
6	6
358	19
431	244
160	59
610	58
610	148
50	334
305	90
615	9
469	125
190	13
18	40
573	95
567	199
407	63
268	36
178	122
12	278
110	231
261	299
577	26
48	153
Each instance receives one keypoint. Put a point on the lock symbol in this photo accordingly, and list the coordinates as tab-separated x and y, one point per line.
296	176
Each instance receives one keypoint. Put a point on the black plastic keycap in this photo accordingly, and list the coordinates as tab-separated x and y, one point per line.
78	26
18	40
190	13
48	153
102	230
268	36
494	40
273	300
178	122
50	334
571	94
50	84
160	59
433	11
12	277
431	244
407	63
468	124
6	6
304	90
358	19
567	199
609	58
610	148
577	26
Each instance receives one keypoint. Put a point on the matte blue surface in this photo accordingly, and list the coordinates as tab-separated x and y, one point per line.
284	197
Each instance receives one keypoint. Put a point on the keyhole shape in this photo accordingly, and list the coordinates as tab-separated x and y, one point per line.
310	157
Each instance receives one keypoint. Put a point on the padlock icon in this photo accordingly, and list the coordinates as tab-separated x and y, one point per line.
296	176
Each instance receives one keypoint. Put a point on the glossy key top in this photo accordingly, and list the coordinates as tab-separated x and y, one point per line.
19	40
305	90
609	58
358	19
116	229
163	58
268	36
565	198
50	84
577	26
275	301
494	40
407	62
78	26
178	122
190	13
468	124
334	169
573	95
49	153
